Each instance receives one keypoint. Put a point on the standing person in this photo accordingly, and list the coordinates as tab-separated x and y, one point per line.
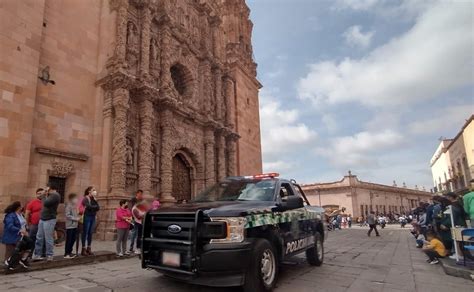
133	201
45	235
33	213
138	212
155	205
72	221
371	220
123	219
468	202
349	221
433	248
91	207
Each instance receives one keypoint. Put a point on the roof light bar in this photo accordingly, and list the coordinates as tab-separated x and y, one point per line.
266	175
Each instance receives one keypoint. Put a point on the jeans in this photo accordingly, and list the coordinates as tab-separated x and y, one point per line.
45	236
373	227
33	230
432	254
122	235
88	226
133	236
139	235
70	240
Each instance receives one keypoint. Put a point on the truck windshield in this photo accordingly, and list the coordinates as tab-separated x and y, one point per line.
239	190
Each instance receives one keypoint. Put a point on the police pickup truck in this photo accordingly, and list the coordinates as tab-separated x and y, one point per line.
235	233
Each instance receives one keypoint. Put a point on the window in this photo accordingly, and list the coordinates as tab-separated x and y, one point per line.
60	184
285	191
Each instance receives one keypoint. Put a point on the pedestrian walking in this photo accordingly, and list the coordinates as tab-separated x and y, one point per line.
123	219
138	212
349	221
45	235
33	213
72	221
138	198
91	207
371	220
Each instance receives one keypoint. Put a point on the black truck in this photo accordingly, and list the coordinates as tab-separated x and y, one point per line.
235	233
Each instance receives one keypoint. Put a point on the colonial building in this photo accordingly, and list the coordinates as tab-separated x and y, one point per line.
359	197
452	164
159	95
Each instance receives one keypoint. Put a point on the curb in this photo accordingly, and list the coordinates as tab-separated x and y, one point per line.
456	271
60	262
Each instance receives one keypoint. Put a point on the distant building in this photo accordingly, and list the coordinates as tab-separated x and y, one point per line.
452	164
359	197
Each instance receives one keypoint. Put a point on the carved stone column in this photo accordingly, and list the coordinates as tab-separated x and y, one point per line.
166	171
205	70
107	128
209	145
121	37
165	59
232	155
218	93
145	156
221	165
229	96
145	45
121	105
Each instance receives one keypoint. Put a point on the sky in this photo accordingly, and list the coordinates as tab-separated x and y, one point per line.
363	85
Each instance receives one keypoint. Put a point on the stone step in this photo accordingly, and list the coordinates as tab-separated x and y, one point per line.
61	262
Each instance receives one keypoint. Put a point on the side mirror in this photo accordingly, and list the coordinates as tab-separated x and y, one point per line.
291	202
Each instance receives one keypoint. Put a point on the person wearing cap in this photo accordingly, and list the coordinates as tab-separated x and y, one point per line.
468	202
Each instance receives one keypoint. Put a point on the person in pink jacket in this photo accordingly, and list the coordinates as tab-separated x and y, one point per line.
123	219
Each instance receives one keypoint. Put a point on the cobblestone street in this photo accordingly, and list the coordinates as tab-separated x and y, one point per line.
354	262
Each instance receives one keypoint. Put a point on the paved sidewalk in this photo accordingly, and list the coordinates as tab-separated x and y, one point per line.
354	262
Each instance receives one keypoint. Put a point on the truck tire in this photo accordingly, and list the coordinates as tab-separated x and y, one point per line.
315	255
263	268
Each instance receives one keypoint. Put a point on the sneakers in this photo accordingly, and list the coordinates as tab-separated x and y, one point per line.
37	258
69	256
49	259
127	253
120	255
137	251
434	262
24	263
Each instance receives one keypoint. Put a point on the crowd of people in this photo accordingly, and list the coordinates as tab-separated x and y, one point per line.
29	231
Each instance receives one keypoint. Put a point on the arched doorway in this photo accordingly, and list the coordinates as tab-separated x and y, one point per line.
182	181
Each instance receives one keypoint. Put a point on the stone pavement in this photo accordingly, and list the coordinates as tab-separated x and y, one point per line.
354	262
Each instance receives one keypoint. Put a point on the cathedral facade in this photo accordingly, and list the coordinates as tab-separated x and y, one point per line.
158	95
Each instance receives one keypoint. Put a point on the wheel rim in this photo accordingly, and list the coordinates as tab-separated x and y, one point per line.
319	250
268	267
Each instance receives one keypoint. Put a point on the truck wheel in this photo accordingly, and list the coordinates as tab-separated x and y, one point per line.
315	255
263	268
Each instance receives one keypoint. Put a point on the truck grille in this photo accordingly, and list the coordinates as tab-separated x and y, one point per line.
172	232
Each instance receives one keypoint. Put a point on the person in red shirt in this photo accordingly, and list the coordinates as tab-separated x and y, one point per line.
33	212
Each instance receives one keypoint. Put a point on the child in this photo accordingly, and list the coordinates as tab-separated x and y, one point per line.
434	248
72	221
123	218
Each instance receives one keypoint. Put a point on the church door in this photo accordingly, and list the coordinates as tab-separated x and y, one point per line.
181	179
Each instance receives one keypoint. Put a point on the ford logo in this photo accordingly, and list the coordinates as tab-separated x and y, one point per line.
174	228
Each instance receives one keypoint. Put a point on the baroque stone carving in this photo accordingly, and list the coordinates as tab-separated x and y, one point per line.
61	168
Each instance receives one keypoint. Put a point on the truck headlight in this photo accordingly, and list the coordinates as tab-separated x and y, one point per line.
235	229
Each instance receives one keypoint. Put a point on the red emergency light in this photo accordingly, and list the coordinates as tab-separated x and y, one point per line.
266	175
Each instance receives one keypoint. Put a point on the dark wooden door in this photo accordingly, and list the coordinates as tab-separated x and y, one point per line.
181	179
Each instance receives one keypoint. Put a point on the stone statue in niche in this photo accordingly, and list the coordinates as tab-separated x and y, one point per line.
154	55
132	46
129	154
132	36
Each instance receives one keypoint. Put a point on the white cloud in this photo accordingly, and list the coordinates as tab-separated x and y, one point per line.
281	130
361	149
277	166
443	121
355	4
356	38
330	122
433	57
